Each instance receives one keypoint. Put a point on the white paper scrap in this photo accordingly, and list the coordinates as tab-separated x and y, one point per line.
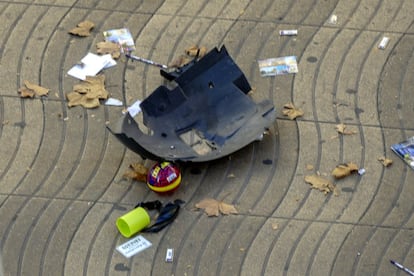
133	246
134	109
113	101
91	65
109	61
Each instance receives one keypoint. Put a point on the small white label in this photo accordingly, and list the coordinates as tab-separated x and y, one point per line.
133	246
170	255
361	171
288	32
383	43
171	177
333	19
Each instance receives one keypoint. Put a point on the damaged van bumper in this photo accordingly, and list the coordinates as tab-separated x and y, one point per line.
206	116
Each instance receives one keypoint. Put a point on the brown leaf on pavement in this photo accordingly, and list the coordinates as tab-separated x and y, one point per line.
191	52
195	51
344	170
75	99
39	91
214	207
30	90
341	128
26	93
92	87
88	92
320	183
385	161
83	28
180	62
107	47
291	111
137	172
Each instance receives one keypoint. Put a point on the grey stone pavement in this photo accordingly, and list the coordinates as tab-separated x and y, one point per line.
61	185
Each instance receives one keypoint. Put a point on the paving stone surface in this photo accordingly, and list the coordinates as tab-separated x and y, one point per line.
61	184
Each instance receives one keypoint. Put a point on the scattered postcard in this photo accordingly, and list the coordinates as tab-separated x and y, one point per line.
122	37
91	65
278	66
133	246
405	150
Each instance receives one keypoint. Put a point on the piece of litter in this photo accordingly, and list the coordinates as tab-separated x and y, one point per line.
361	171
405	150
91	65
383	43
133	246
278	66
288	32
121	37
403	268
169	256
114	102
134	109
333	19
147	61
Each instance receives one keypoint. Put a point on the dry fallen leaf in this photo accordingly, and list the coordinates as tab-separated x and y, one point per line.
180	62
39	91
107	47
291	111
26	93
341	128
344	170
137	172
385	161
75	99
214	207
320	183
30	90
88	92
195	51
190	53
309	167
83	28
